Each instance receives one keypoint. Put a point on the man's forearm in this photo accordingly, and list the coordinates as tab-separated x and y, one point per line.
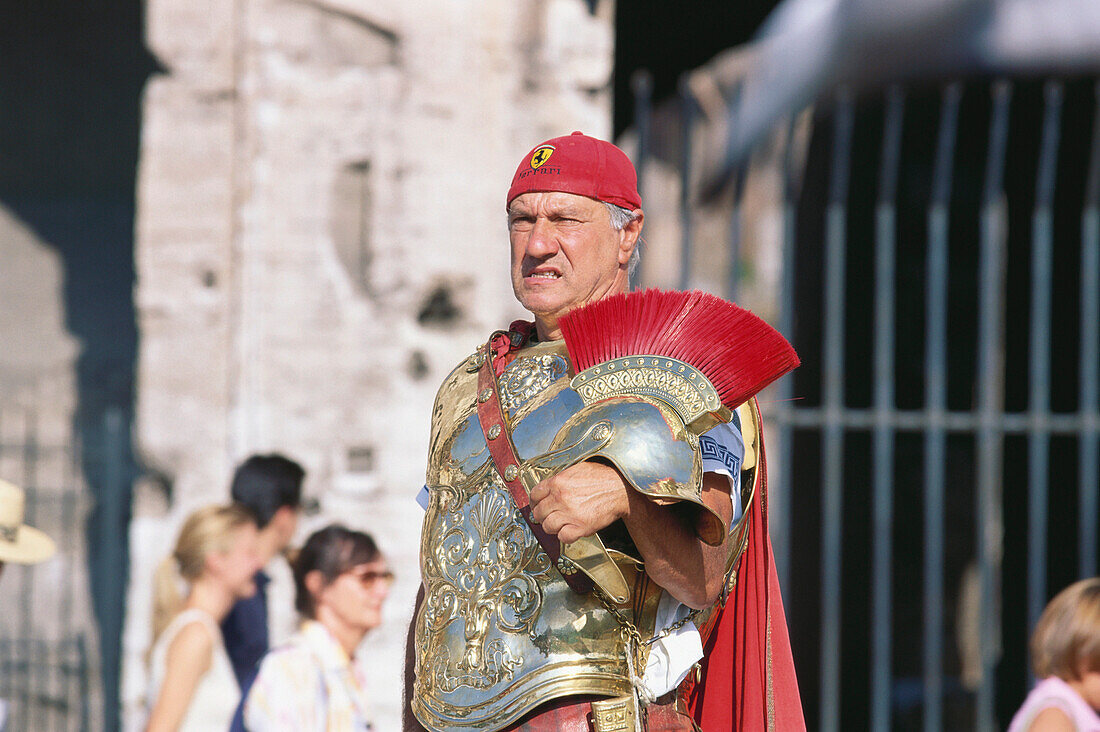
675	558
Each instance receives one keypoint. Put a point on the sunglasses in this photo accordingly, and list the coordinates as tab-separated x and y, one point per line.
370	577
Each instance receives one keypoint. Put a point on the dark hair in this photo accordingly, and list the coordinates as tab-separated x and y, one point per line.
331	551
265	483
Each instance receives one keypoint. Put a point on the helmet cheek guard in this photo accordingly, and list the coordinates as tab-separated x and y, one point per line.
655	453
647	443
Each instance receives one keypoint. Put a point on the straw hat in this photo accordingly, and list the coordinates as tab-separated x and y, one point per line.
20	543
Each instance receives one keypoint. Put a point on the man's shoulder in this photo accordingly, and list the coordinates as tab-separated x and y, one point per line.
462	377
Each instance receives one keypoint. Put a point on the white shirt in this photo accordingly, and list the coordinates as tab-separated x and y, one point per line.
216	696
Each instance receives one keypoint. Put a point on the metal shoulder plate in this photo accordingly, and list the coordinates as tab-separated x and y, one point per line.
657	408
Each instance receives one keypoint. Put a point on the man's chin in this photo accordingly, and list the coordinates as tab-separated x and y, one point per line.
540	303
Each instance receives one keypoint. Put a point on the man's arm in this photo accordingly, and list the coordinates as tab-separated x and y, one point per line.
584	498
409	720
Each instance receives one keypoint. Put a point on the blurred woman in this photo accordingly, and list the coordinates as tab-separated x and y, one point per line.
193	686
1065	655
314	682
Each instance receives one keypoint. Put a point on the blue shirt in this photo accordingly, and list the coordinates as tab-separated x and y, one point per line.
245	630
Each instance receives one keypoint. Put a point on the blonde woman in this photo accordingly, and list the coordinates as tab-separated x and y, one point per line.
1065	655
193	686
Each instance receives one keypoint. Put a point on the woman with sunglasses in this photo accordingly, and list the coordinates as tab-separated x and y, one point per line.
313	681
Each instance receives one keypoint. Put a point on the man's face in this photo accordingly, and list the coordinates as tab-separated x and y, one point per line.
565	254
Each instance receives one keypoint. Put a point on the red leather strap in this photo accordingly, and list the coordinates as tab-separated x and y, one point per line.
498	436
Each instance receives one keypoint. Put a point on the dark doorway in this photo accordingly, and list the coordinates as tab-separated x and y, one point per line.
70	115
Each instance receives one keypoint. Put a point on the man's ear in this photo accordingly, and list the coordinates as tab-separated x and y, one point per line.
630	235
288	516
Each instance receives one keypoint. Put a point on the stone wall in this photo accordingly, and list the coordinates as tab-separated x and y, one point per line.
48	603
320	239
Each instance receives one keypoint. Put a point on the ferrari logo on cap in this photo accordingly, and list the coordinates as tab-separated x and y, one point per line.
541	155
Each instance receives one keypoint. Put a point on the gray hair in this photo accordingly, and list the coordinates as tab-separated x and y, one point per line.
620	217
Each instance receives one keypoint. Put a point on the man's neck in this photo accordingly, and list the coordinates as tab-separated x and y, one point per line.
269	543
546	330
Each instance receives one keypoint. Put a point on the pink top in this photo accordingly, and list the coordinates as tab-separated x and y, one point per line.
1053	692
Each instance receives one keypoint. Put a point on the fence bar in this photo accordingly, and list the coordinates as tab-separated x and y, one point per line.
85	713
1089	385
641	83
687	117
1038	445
832	484
908	420
990	402
883	455
733	275
739	173
779	522
935	378
30	488
115	497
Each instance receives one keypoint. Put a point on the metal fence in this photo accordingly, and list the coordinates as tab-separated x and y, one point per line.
941	281
48	659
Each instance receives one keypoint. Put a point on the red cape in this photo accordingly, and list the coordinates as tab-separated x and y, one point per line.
748	680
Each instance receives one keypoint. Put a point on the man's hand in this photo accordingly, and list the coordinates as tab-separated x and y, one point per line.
580	500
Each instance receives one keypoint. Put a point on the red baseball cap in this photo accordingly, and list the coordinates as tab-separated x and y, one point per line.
581	165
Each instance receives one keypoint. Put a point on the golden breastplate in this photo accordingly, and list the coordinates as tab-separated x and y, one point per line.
499	631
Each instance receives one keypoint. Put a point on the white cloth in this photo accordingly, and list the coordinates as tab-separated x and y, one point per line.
723	452
217	693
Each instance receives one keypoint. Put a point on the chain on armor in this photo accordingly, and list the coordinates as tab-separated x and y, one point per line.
632	631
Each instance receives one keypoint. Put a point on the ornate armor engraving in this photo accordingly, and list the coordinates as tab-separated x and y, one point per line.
489	570
499	631
526	377
677	384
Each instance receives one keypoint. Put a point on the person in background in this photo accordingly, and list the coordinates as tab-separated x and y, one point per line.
192	683
313	682
19	544
270	486
1065	656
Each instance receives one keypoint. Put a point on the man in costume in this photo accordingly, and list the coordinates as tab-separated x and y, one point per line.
591	557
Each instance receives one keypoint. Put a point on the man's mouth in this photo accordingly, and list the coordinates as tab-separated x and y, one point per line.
544	274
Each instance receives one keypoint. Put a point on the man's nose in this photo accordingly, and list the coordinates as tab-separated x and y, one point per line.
542	241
